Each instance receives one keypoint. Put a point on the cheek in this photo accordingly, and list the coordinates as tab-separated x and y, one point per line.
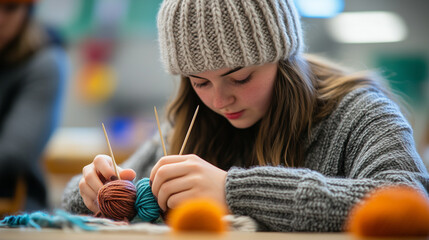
204	97
259	95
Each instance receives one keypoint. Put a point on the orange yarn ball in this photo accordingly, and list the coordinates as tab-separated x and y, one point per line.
202	215
391	212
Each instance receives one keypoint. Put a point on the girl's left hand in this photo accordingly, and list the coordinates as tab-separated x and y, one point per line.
177	178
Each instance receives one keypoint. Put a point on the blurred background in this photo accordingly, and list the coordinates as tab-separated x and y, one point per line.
116	77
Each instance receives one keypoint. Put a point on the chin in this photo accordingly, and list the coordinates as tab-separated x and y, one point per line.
241	125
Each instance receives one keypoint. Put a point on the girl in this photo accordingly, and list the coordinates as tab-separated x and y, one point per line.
31	81
287	139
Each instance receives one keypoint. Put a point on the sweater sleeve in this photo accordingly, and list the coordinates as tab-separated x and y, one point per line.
141	161
366	143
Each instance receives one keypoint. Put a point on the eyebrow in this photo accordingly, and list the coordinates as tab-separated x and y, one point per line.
222	75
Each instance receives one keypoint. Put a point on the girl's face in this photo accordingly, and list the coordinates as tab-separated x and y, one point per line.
241	95
12	16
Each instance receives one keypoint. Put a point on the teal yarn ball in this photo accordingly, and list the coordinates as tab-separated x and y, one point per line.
146	205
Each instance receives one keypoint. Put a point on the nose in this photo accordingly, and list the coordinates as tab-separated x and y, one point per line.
222	98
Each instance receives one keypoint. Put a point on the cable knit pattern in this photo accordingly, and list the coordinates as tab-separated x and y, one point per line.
365	143
201	35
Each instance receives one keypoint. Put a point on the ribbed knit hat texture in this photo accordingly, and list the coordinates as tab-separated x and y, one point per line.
201	35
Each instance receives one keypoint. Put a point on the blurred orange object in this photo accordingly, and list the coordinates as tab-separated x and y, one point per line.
391	212
199	215
96	83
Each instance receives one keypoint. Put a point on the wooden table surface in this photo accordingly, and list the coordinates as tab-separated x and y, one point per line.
48	234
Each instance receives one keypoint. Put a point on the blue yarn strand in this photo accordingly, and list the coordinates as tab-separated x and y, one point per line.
77	220
41	220
146	205
36	220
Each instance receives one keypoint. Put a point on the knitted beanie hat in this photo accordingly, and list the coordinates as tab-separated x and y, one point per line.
201	35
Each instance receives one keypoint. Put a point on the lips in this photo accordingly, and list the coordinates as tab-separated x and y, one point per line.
234	115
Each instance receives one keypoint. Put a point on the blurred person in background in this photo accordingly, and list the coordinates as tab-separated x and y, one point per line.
32	72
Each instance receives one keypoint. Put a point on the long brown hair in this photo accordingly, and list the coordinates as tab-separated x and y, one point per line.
307	89
28	40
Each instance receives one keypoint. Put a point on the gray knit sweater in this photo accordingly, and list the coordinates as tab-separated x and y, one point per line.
363	144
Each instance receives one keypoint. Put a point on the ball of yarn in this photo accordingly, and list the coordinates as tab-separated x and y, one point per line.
116	200
146	205
121	200
391	212
203	215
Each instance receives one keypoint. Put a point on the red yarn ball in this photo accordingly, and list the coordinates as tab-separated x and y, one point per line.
116	200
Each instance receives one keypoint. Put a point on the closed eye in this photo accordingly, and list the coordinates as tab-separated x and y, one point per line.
199	85
246	80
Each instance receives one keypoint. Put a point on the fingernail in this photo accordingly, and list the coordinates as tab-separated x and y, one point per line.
113	178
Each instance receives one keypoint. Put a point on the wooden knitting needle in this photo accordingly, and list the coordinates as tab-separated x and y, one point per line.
159	130
111	153
189	130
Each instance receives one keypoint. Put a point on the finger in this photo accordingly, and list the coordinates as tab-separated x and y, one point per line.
90	204
164	161
91	178
104	157
171	188
127	174
85	189
88	196
168	172
180	197
103	164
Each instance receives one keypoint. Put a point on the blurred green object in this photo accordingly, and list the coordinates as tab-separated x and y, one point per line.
82	22
141	17
406	74
82	18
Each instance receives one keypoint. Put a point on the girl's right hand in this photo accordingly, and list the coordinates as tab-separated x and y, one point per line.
95	175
